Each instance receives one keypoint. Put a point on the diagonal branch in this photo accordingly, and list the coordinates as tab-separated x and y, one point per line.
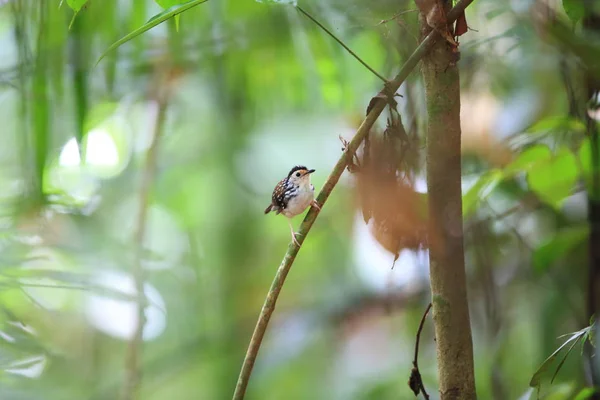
284	268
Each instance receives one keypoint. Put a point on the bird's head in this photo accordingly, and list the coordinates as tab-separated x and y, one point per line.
300	175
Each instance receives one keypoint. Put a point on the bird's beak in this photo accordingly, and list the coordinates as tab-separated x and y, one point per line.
310	171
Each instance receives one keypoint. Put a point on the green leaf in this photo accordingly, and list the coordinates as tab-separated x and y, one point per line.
553	180
574	9
537	376
481	190
76	5
170	3
559	246
585	159
152	22
528	158
558	124
562	391
98	114
562	362
585	393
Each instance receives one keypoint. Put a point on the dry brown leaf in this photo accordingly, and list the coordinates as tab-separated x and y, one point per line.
397	211
397	214
435	15
461	25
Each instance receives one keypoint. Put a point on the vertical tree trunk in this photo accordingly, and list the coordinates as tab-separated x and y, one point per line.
446	257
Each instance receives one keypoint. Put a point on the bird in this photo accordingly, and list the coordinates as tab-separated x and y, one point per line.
293	194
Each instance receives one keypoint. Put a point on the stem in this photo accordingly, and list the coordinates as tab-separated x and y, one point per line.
385	21
132	361
271	299
79	55
41	119
327	31
416	359
446	250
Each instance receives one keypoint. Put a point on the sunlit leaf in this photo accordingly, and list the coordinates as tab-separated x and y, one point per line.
166	4
585	393
554	179
152	22
537	376
98	114
528	158
558	246
585	156
76	5
558	124
560	391
481	190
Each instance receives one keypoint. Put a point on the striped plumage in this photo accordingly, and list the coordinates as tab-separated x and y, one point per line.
293	194
282	194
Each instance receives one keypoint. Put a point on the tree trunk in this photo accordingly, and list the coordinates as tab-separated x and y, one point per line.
446	257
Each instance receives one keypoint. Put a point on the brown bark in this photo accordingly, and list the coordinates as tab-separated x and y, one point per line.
447	265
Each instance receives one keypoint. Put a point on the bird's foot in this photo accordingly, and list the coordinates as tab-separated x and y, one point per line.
315	204
294	239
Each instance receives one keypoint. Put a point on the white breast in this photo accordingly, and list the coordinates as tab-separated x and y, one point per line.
299	203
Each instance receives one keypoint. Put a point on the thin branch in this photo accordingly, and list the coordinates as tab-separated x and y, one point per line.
327	31
385	21
284	268
132	361
415	361
416	382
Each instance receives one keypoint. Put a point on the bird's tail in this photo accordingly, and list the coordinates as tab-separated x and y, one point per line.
269	209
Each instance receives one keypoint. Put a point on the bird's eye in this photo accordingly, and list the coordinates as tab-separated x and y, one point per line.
298	174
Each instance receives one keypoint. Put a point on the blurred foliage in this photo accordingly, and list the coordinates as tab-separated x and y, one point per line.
252	89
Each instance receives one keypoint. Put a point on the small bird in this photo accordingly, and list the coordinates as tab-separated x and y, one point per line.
293	195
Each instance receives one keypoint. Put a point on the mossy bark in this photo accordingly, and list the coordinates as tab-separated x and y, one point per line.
447	262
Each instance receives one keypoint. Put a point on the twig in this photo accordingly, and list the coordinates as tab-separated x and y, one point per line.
415	382
327	31
284	268
385	21
133	368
